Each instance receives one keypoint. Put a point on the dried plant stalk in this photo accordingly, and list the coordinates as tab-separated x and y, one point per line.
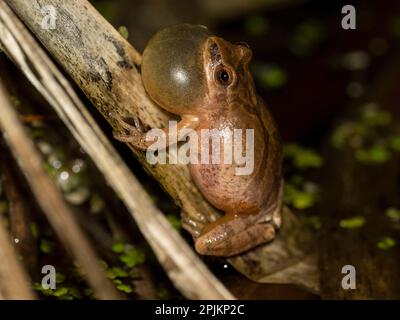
14	282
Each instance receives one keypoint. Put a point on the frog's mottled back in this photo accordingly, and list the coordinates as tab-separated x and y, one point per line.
172	67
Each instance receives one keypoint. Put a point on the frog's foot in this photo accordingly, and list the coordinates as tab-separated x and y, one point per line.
193	223
228	239
133	133
190	225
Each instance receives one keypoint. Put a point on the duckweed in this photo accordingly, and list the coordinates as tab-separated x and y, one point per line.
352	223
386	243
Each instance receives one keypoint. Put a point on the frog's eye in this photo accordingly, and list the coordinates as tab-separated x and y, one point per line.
224	77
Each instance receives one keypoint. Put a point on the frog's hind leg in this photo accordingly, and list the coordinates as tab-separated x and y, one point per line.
234	237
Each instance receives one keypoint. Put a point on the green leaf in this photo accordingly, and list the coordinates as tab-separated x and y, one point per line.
373	155
119	272
271	77
46	246
34	230
394	143
132	257
110	274
60	292
302	157
298	198
352	223
393	214
60	278
75	293
125	288
386	243
374	117
118	247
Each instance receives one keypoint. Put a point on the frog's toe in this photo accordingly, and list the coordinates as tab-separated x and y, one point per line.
221	242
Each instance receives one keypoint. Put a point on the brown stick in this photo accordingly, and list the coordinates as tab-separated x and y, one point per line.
188	273
14	282
20	216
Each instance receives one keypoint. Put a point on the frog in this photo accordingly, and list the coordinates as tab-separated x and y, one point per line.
206	81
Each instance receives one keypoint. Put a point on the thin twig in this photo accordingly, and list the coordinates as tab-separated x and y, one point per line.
20	217
10	268
184	268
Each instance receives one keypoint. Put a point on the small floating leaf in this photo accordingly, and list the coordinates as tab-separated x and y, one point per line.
302	157
375	154
118	247
298	198
376	117
60	292
352	223
393	214
125	288
46	246
132	257
119	272
271	76
386	243
60	278
34	230
394	143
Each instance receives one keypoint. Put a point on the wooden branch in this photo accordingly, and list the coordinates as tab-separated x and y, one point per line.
106	68
187	272
51	200
14	282
20	216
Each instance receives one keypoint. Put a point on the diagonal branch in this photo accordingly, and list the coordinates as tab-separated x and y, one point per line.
10	267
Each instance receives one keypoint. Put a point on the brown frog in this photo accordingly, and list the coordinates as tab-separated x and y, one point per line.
206	81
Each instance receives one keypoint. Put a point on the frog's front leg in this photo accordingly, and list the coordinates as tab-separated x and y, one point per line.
229	236
133	134
137	137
